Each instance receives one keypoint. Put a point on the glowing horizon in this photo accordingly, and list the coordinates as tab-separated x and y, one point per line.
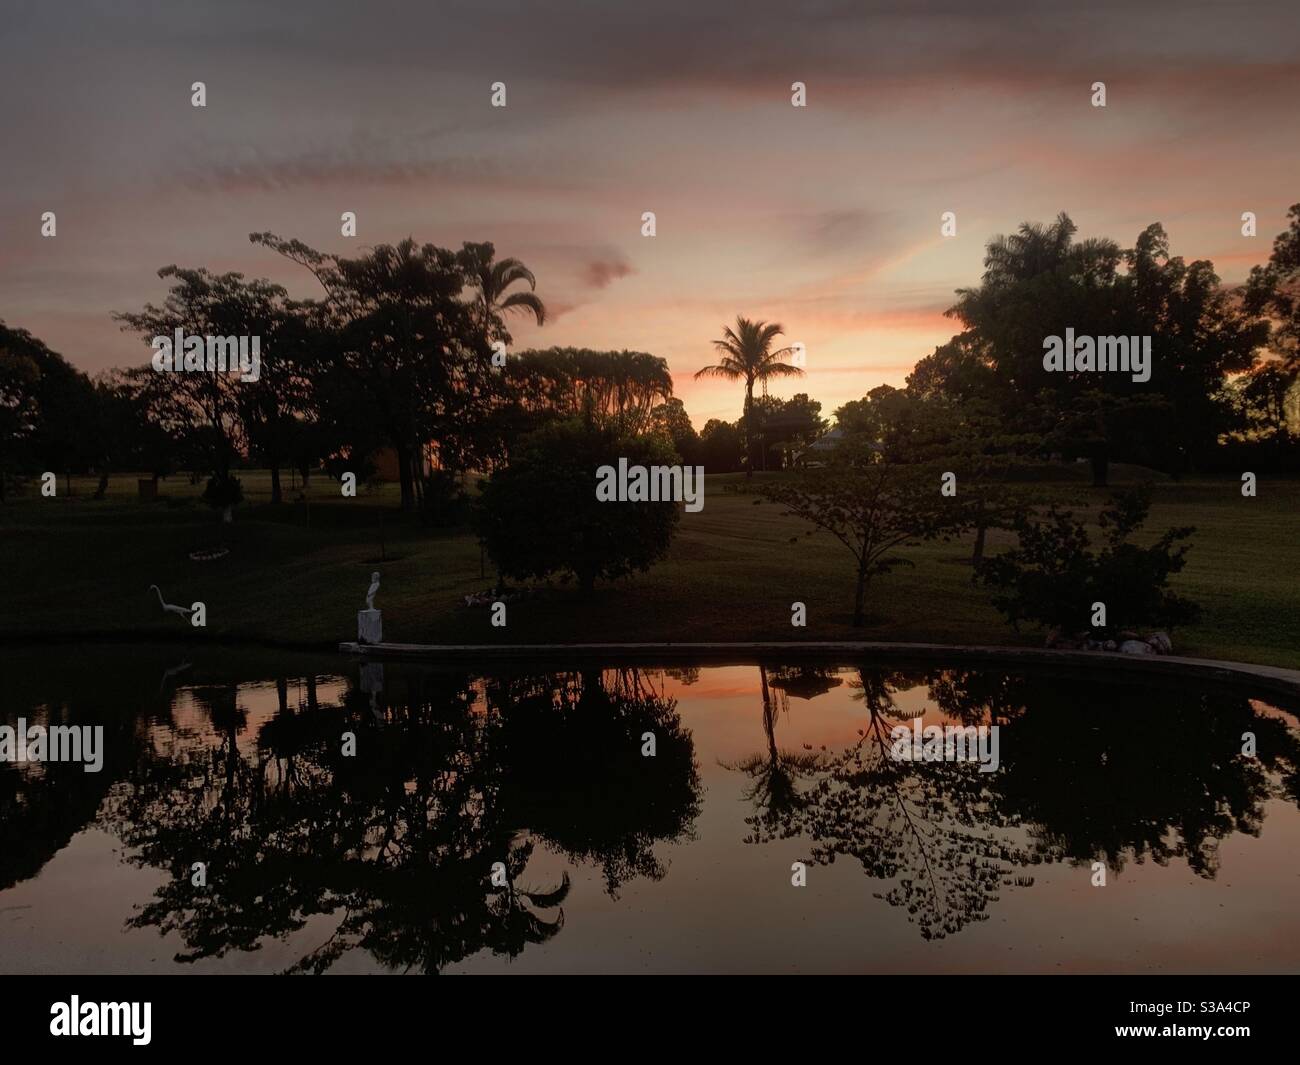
825	218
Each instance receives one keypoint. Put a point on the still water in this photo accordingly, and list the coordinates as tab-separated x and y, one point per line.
377	853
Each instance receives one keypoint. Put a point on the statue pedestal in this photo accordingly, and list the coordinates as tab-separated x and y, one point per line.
372	682
370	626
372	677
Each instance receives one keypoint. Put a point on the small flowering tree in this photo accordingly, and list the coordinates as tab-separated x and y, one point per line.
873	507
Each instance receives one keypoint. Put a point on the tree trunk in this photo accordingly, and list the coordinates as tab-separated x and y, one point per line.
404	477
1100	459
748	419
1183	463
981	528
769	718
101	489
275	483
860	601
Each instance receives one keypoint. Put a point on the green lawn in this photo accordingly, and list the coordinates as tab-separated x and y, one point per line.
297	573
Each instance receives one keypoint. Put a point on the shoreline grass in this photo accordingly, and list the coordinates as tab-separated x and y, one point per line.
297	572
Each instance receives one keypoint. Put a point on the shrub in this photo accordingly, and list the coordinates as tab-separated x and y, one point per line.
223	493
1053	577
540	515
443	501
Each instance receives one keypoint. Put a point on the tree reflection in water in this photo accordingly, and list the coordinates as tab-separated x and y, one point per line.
1128	773
1090	772
392	850
775	771
400	840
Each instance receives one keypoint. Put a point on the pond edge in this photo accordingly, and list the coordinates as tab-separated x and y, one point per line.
1270	678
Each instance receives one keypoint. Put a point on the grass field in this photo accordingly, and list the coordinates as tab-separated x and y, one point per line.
297	573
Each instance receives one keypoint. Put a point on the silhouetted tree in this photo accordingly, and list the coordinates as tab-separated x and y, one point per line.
1038	282
872	507
935	829
748	355
1053	578
397	331
553	474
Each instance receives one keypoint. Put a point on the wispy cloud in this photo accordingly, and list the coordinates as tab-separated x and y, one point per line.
825	218
600	273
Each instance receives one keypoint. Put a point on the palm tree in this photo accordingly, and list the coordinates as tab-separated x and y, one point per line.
747	355
492	279
775	791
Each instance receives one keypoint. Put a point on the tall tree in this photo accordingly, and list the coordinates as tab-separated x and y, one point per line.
210	406
1271	391
748	355
1274	290
671	421
619	389
48	403
788	425
276	408
1200	336
402	337
1039	282
722	447
492	279
144	442
20	376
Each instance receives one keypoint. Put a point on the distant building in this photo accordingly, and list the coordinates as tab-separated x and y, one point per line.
828	441
816	454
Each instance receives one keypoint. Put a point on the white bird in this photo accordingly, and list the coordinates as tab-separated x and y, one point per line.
171	608
374	588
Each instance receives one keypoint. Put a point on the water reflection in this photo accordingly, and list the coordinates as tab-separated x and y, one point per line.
936	829
399	840
377	805
1093	773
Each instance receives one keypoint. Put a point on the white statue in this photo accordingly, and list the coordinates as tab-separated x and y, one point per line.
374	588
171	608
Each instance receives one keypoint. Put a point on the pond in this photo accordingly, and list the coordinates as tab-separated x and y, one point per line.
260	811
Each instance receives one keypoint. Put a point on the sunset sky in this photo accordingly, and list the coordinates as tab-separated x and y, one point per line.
825	219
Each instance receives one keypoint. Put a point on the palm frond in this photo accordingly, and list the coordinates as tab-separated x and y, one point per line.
720	370
525	301
508	271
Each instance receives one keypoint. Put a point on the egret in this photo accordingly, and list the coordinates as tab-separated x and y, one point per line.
171	608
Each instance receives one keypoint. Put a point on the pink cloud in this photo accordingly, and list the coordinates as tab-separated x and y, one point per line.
600	273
